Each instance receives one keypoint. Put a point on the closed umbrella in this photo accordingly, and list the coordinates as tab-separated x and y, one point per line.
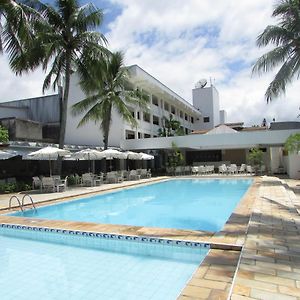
48	153
88	154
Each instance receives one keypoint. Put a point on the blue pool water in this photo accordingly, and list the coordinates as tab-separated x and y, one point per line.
183	204
52	266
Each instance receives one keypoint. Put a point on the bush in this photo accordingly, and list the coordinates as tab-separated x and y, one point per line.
14	187
3	135
71	180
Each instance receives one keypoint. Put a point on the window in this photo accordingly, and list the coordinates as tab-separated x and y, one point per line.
147	117
181	114
146	135
129	135
132	113
206	119
138	115
186	117
154	100
173	110
155	120
166	106
139	135
186	131
192	120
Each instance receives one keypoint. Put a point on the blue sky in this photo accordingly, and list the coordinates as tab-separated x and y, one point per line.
180	42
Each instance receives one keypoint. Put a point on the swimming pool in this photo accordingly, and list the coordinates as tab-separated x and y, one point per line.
195	204
40	263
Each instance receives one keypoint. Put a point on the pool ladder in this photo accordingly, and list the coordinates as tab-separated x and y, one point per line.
21	202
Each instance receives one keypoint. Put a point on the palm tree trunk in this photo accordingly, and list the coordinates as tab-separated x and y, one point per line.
106	125
64	110
64	103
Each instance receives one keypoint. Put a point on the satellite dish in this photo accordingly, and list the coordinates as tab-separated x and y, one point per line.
201	84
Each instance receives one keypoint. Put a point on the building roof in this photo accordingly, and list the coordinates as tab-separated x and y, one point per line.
221	129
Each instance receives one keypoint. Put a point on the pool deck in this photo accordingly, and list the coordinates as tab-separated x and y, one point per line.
255	256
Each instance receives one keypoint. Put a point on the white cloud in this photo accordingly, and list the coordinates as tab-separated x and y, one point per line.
180	42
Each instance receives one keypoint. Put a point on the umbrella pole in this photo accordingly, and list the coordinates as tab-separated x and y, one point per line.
50	167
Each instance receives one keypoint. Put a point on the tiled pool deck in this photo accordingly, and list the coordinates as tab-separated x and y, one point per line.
255	256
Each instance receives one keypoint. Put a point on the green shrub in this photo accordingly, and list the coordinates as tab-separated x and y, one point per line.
14	187
71	180
4	138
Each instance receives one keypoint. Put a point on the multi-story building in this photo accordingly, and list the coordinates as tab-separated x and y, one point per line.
163	103
38	119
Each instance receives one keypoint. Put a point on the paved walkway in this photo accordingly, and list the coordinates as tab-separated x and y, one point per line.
270	260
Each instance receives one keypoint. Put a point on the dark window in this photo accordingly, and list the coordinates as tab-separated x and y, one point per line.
129	135
166	106
206	119
186	131
146	117
132	113
146	136
181	114
192	120
186	117
138	115
155	120
139	135
173	110
154	100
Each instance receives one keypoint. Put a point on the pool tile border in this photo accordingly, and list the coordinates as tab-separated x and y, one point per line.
102	235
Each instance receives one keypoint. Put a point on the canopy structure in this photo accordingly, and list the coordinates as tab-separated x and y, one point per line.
145	156
7	154
221	130
112	153
133	155
88	154
48	153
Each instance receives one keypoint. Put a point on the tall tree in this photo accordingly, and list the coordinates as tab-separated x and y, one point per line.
16	32
286	54
64	39
170	127
106	90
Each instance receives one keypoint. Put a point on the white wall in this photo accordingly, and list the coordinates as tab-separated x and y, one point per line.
207	101
276	159
89	134
214	141
293	166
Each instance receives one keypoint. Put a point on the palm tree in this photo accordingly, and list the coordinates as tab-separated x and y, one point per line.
286	54
16	19
106	89
63	39
170	127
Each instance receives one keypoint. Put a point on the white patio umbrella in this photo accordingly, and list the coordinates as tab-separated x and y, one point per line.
110	154
88	154
7	154
145	156
133	155
48	153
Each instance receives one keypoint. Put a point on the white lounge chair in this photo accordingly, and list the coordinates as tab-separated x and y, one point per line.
87	179
133	175
223	169
48	184
195	170
36	183
249	170
242	169
62	186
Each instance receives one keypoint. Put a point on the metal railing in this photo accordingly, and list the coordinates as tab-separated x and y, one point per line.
21	202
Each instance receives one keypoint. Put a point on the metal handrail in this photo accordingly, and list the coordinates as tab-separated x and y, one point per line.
27	195
20	204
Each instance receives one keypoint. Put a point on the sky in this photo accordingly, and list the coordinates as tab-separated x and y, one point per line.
179	43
